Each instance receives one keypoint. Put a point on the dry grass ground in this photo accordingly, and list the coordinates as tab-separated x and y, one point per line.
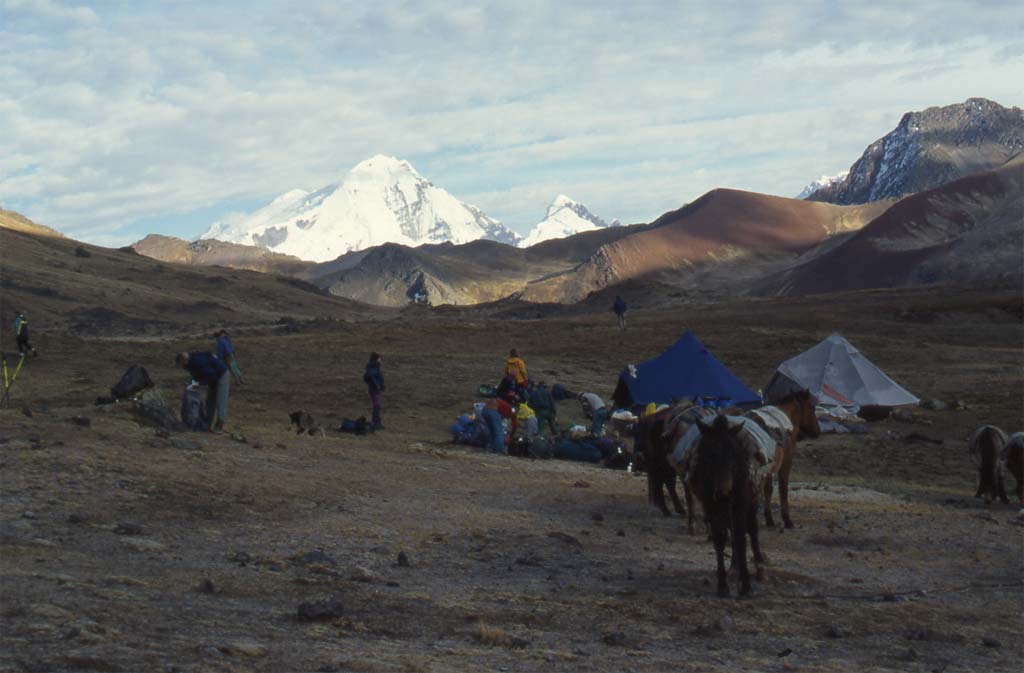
513	565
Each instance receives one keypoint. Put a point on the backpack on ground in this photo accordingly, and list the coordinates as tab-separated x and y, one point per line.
357	427
134	380
193	409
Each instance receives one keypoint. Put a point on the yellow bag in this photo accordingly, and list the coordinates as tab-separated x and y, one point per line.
650	409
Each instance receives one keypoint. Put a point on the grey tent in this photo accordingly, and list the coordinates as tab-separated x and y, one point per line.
838	375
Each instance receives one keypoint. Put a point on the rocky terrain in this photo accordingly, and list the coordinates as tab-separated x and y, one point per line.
929	148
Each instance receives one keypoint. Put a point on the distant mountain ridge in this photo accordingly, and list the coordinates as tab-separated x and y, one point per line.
928	149
381	200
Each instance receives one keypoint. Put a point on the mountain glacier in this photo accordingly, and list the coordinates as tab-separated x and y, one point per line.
565	217
821	183
381	200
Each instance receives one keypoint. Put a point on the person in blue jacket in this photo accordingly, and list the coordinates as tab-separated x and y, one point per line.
226	354
374	380
207	369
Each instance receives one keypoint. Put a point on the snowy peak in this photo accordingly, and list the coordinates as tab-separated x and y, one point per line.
565	217
381	200
928	149
821	183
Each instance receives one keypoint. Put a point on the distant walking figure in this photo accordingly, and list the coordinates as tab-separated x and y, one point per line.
620	311
374	380
207	369
21	334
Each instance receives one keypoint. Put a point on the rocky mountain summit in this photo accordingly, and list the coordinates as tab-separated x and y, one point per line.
928	149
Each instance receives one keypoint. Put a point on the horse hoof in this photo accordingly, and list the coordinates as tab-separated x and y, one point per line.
789	524
759	574
723	592
689	529
745	591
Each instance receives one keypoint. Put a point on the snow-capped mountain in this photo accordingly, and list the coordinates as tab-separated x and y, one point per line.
930	148
381	200
820	183
565	217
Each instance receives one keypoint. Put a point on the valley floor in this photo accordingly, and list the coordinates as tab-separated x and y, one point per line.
126	551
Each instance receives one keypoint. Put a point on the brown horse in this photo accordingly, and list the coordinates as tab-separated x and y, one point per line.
654	448
799	407
720	474
986	449
663	430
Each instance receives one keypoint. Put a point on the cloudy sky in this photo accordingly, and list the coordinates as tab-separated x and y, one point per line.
123	118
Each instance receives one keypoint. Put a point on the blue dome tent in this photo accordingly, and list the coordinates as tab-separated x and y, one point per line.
686	369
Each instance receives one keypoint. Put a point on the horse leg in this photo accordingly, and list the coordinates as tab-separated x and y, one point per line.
678	506
1001	488
654	493
740	509
688	494
718	528
755	543
787	466
768	483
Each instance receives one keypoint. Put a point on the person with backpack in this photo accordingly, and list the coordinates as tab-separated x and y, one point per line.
226	354
620	311
207	369
374	380
543	405
21	335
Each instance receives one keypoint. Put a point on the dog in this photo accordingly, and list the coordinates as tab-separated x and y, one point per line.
304	423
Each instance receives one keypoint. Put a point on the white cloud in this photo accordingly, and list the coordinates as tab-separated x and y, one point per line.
144	111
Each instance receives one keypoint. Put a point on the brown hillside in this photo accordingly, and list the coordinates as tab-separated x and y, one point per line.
721	226
18	222
968	232
98	291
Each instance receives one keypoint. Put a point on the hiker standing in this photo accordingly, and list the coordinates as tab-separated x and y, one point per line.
21	334
515	373
543	405
620	311
594	409
374	380
493	412
207	369
226	354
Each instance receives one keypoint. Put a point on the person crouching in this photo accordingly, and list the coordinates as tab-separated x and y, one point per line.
208	370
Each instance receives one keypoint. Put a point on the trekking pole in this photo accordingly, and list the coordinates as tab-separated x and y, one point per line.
9	383
3	401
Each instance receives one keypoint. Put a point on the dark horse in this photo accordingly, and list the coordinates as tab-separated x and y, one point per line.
799	407
720	475
986	448
653	447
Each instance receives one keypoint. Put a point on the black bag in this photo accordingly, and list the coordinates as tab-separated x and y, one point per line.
134	380
541	448
357	427
519	447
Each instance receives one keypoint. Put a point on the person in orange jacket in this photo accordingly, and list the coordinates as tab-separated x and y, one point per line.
515	368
